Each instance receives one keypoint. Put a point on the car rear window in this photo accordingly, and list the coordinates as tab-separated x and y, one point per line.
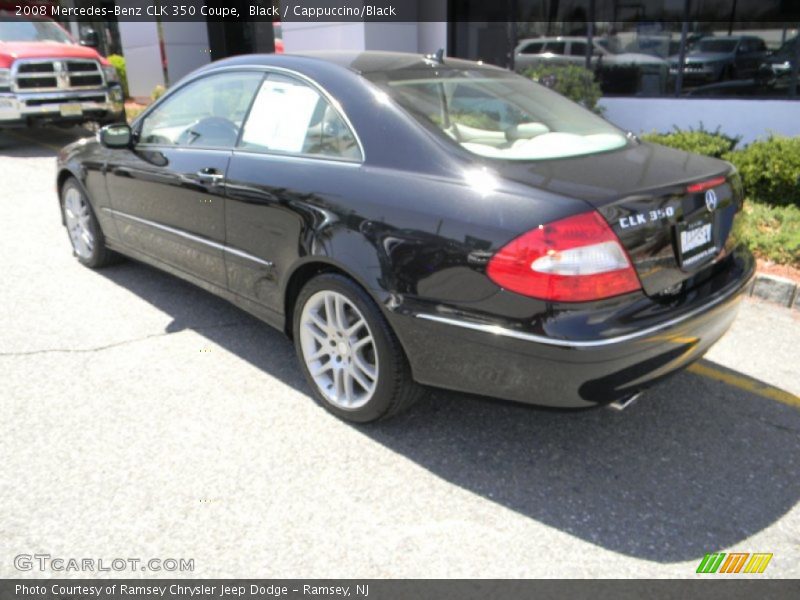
498	114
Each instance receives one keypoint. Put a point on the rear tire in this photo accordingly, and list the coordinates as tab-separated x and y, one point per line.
348	352
85	235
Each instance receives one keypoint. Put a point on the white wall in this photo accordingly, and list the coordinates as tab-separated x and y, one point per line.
399	37
750	119
186	46
394	37
298	37
432	36
142	56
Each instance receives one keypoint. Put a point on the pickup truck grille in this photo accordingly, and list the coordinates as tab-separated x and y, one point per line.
57	75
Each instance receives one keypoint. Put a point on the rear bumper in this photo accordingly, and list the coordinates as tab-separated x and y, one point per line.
23	109
484	358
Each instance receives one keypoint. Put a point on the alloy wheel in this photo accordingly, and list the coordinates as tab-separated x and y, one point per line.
79	225
339	350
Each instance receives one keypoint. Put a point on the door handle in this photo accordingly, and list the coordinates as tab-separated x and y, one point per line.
210	175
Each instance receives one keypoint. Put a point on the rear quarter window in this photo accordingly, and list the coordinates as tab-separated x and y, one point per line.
534	48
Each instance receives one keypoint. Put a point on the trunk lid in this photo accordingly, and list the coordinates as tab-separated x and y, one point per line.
670	230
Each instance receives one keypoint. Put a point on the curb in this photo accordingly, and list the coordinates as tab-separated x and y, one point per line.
777	290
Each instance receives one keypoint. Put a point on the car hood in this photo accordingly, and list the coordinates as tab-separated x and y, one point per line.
777	60
635	58
703	57
603	178
11	51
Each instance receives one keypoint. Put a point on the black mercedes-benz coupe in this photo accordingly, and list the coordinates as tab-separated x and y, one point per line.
414	220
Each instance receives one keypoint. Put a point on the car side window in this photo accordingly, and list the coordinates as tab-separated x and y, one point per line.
577	49
289	116
207	113
555	47
534	48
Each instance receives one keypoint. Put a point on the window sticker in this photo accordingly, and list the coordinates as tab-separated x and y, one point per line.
280	116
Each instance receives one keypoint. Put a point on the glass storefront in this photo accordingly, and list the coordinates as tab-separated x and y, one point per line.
653	48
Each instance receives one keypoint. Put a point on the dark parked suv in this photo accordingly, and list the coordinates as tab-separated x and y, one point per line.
720	58
780	64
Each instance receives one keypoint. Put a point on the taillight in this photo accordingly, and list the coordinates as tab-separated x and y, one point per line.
576	259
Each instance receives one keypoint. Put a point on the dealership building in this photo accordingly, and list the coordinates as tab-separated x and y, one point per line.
747	51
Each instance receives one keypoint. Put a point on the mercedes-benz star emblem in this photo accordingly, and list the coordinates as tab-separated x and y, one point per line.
711	200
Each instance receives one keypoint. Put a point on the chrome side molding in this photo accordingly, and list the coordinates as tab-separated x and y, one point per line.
188	236
540	339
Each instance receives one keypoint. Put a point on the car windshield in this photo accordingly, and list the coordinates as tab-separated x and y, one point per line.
500	115
716	46
36	30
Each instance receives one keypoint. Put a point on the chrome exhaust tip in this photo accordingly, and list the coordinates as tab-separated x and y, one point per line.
624	403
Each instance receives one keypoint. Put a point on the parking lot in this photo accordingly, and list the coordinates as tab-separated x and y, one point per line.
143	417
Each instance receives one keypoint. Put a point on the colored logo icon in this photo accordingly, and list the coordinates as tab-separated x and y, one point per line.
734	562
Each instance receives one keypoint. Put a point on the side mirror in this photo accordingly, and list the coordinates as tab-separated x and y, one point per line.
115	136
90	38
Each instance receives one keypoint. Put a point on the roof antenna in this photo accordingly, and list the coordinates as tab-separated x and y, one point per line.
437	57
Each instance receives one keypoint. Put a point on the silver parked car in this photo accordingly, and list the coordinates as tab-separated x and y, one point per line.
563	50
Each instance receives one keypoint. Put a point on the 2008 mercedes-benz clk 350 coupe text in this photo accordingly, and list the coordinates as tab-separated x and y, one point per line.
417	220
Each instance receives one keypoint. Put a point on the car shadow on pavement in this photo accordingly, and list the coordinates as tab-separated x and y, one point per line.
38	142
695	466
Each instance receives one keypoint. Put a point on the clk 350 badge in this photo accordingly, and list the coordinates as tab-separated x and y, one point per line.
637	219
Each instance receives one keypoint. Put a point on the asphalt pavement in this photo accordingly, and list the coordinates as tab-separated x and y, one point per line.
141	417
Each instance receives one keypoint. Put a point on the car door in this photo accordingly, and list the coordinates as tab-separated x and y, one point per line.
528	55
167	192
296	155
577	53
555	53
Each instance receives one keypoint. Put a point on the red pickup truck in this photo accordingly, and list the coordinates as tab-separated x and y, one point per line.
45	77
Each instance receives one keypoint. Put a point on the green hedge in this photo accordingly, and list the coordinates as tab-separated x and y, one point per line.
157	92
119	63
770	168
700	141
575	82
772	232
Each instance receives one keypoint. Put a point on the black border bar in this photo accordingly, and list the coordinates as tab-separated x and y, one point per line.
708	587
767	12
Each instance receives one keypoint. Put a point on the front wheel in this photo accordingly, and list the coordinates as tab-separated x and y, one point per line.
349	354
85	235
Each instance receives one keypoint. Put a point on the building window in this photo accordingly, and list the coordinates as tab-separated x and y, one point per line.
649	48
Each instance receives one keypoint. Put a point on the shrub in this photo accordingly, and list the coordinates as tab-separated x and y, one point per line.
575	82
157	92
118	62
132	111
770	170
700	141
772	232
